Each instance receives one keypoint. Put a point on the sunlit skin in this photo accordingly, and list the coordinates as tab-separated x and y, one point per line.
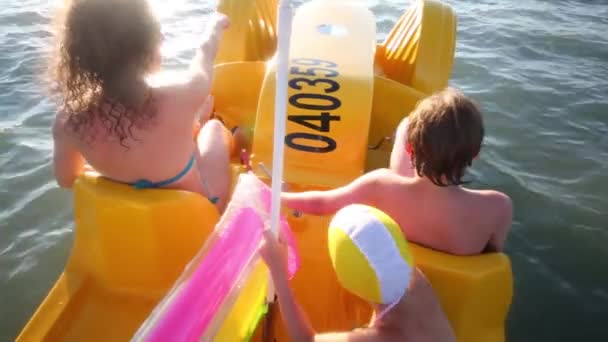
162	148
450	219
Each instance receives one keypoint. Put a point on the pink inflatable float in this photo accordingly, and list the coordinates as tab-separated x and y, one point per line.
204	295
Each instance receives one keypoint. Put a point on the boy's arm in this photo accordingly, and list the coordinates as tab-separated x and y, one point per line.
498	238
363	190
68	163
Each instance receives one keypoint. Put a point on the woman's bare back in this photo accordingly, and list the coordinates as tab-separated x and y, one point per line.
148	142
158	150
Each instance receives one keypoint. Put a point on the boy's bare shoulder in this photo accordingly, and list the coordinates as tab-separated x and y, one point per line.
383	176
496	197
494	202
384	180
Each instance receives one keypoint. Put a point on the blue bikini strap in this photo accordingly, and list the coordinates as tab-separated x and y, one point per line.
146	184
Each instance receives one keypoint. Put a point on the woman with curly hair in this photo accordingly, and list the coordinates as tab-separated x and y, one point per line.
128	130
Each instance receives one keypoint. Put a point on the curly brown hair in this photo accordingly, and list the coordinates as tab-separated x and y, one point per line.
445	133
105	49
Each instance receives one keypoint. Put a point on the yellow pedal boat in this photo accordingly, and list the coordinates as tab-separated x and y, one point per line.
346	96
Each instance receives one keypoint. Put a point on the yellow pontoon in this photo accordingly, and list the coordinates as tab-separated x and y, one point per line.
345	101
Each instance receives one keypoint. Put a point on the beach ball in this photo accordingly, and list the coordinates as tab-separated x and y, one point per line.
370	254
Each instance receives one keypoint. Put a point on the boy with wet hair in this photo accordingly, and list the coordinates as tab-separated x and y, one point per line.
423	190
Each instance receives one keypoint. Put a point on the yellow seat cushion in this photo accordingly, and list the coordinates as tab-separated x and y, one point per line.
475	291
129	248
419	50
123	235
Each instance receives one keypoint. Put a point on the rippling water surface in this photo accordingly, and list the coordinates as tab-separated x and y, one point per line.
540	70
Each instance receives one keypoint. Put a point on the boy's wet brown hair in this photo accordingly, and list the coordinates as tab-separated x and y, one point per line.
445	133
105	48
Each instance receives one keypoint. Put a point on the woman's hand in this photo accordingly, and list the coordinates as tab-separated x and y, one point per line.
190	94
209	48
220	21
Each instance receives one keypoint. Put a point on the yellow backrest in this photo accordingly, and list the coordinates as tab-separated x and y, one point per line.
241	81
136	241
392	102
252	33
475	291
419	50
396	56
262	41
435	48
329	96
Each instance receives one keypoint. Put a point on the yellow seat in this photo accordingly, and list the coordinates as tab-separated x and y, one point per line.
130	246
436	47
252	33
391	103
228	85
475	291
396	56
419	50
